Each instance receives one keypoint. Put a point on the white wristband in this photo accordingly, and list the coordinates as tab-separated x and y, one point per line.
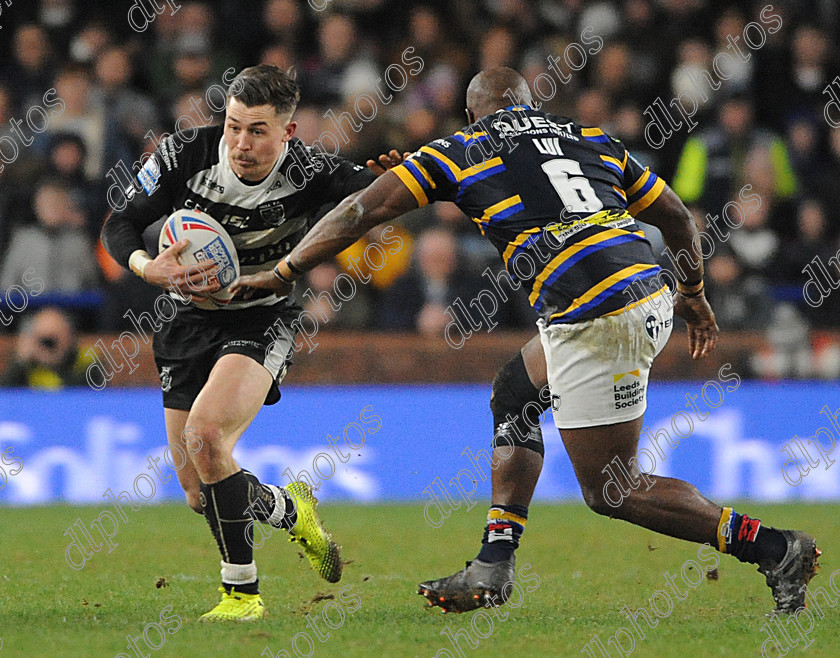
137	262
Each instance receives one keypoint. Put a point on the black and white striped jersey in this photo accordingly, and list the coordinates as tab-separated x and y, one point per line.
265	220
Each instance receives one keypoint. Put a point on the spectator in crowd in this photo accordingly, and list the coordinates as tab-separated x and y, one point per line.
130	113
640	20
763	126
419	299
193	65
56	247
426	32
278	54
318	296
711	165
497	48
614	74
740	302
340	70
90	42
47	355
282	24
66	165
29	73
628	126
825	179
810	70
813	240
740	71
807	157
593	108
61	20
84	115
688	77
788	353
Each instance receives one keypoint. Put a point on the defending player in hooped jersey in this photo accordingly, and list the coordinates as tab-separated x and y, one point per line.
523	160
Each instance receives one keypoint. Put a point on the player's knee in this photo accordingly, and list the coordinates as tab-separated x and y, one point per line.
517	406
593	496
212	435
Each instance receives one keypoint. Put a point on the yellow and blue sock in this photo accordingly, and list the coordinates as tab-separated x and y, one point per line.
505	525
747	539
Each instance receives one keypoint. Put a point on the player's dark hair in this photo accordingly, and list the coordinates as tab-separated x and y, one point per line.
265	84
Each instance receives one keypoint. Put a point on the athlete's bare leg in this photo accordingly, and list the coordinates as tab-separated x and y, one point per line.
176	421
221	413
670	506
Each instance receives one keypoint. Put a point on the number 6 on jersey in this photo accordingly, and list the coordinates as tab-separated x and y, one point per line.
574	190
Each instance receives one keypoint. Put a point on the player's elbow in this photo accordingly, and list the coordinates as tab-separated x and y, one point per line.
107	233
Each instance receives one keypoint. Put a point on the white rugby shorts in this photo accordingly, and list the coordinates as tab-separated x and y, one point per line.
598	369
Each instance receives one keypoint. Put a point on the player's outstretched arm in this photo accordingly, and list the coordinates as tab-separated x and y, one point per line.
669	215
385	199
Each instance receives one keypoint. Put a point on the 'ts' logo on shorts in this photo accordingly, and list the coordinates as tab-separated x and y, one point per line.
653	325
165	379
555	401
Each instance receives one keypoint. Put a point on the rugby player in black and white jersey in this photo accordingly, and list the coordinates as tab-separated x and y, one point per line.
218	367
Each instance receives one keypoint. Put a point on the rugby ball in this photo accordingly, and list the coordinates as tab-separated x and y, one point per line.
208	240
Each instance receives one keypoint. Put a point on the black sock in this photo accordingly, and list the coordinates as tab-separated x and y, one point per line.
748	540
264	504
505	524
224	505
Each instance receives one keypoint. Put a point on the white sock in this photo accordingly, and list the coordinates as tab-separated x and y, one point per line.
239	574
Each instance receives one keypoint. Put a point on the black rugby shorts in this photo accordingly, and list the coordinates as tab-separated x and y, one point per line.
187	347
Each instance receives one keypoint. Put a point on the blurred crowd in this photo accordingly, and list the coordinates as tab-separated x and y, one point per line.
760	123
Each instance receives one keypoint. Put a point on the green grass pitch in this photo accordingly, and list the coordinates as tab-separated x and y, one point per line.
588	568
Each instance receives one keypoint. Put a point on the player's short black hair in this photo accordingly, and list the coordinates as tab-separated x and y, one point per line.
265	84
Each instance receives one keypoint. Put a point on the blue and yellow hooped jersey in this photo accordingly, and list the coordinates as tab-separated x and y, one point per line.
556	199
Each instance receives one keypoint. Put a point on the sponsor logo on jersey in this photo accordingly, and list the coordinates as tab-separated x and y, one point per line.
627	389
168	152
273	213
510	126
239	221
149	175
652	326
213	185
